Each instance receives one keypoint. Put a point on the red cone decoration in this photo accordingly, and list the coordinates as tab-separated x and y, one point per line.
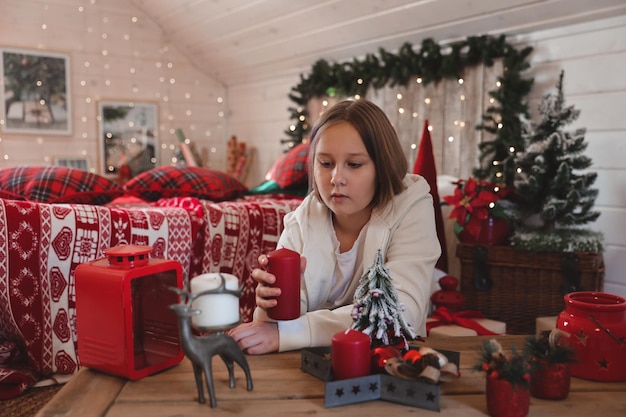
425	166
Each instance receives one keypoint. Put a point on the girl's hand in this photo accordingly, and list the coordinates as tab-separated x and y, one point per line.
256	337
265	293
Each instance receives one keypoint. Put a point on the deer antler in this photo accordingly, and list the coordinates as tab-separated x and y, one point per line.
186	296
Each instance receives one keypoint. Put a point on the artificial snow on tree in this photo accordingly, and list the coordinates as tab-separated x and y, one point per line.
549	184
377	309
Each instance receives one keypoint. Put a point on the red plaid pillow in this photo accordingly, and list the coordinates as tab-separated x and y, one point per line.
10	196
181	181
291	168
56	184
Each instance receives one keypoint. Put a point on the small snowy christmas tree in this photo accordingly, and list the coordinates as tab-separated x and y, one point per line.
377	309
548	181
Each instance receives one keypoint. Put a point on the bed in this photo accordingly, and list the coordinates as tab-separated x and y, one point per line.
53	218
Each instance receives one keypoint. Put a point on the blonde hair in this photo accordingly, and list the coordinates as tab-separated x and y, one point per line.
380	140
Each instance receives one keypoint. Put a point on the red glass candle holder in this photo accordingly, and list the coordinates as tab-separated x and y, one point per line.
505	399
124	324
551	381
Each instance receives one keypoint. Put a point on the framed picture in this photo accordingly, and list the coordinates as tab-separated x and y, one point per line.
128	136
73	162
36	92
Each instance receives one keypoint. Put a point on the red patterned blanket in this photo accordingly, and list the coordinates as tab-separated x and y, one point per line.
41	245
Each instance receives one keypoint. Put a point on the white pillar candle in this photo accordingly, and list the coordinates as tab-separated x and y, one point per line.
217	310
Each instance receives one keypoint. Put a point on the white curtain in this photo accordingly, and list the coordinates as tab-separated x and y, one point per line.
453	110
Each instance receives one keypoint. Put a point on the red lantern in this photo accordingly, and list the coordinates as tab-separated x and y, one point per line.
596	323
124	323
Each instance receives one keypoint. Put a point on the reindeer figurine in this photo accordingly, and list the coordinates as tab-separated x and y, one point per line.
201	349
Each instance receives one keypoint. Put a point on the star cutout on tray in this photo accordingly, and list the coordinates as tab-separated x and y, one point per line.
373	386
356	389
391	387
339	392
430	396
410	392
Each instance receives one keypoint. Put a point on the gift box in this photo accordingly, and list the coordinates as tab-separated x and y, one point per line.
543	324
447	330
317	362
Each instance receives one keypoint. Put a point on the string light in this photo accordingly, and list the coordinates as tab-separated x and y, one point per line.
110	36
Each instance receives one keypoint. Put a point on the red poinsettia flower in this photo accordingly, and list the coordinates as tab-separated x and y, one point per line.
472	200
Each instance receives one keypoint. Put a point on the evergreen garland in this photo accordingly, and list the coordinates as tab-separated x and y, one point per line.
432	63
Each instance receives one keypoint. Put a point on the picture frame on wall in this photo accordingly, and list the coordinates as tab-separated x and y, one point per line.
129	143
77	162
35	92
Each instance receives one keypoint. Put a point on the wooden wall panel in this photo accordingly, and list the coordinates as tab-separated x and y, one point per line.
592	53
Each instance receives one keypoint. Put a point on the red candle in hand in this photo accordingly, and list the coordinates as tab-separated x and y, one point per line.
284	264
350	354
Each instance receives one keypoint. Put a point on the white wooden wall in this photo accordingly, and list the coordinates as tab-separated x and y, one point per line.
593	57
104	44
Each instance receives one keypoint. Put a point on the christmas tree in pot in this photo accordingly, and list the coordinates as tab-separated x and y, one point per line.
555	195
377	308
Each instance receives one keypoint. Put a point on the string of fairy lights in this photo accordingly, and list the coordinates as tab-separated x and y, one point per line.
430	63
409	106
112	60
98	75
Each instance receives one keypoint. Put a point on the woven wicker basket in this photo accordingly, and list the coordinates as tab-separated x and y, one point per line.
518	286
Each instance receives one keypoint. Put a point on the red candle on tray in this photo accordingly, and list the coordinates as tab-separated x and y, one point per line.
350	354
284	264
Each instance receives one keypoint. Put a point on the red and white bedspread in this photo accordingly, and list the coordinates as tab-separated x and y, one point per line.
41	245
